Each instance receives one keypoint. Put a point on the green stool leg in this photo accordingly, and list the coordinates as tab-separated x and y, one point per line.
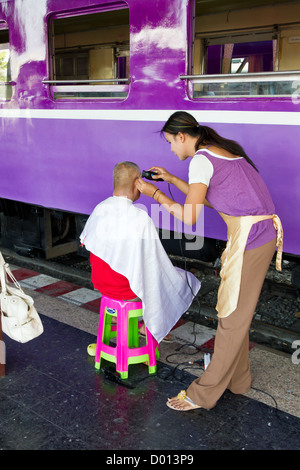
152	369
123	375
133	332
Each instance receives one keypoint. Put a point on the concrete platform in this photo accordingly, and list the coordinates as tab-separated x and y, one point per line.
52	397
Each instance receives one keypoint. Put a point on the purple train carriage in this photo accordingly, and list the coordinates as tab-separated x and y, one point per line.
87	83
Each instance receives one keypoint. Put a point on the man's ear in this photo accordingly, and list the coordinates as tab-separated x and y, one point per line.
135	184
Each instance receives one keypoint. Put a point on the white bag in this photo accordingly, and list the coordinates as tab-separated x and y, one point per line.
19	318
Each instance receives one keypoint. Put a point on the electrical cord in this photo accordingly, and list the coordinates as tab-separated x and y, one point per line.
184	257
193	343
295	428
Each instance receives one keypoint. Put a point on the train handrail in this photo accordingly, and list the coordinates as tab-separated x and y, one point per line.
246	77
102	80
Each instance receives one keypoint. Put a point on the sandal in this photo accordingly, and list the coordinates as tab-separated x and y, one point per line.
168	339
180	402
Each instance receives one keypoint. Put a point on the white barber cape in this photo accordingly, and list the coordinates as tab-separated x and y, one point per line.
124	236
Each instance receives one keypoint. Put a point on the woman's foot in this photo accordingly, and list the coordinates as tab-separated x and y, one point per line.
182	402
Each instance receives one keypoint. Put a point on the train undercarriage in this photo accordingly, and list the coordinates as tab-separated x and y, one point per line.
35	231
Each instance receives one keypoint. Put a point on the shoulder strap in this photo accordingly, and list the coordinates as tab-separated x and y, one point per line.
2	261
4	271
2	275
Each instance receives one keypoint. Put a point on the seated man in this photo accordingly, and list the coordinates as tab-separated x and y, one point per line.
128	260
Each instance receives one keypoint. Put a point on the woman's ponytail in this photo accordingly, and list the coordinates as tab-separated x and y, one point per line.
181	121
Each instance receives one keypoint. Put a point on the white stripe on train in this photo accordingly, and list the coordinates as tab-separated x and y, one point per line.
149	115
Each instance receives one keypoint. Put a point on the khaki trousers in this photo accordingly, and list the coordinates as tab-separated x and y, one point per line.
229	366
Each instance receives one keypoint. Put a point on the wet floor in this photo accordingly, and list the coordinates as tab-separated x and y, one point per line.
52	397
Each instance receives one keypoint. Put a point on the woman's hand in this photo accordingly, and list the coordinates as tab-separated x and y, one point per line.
182	185
148	189
161	173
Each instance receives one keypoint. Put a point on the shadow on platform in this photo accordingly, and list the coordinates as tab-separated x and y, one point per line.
52	397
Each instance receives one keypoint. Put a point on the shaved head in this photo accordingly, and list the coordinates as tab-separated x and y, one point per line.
124	174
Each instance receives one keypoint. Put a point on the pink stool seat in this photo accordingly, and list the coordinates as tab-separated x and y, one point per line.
127	350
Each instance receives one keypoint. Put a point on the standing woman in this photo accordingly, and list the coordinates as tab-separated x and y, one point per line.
224	178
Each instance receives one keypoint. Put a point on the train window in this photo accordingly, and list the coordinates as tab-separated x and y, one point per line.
237	53
5	79
90	55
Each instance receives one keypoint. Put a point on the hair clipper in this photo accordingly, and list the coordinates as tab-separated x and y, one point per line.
149	174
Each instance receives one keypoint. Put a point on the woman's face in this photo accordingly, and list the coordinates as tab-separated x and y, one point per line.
178	144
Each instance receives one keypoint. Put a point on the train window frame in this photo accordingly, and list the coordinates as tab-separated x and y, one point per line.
5	79
232	86
113	88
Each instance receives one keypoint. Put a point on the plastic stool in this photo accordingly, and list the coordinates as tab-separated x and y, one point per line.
127	350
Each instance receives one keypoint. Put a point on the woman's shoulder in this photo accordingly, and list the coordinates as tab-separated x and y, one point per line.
200	169
200	160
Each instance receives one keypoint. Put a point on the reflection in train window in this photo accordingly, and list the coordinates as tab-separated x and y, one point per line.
252	50
90	55
5	79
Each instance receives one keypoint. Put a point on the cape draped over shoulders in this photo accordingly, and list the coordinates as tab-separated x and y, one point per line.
125	237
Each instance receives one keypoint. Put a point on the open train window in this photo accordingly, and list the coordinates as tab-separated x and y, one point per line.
241	53
90	54
5	79
247	53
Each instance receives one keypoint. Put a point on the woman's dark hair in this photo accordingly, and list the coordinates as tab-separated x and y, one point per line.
181	121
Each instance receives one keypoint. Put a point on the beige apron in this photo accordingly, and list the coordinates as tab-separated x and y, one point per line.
238	229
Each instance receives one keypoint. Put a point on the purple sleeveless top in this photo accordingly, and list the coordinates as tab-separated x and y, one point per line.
236	188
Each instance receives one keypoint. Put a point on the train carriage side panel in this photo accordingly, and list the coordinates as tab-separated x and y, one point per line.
61	152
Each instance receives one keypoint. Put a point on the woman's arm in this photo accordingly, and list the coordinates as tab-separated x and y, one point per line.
169	178
187	213
182	185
